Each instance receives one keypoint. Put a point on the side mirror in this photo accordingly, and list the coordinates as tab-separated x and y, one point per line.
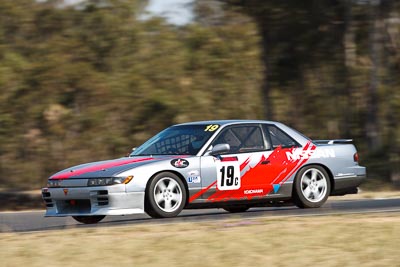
220	149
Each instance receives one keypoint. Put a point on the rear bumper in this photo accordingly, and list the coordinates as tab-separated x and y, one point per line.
88	201
348	183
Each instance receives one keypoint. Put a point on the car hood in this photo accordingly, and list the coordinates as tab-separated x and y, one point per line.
108	168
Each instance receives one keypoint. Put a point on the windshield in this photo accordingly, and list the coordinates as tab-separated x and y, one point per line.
177	140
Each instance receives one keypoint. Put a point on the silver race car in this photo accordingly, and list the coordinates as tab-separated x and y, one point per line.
234	165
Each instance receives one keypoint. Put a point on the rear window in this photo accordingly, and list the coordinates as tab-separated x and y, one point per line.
279	137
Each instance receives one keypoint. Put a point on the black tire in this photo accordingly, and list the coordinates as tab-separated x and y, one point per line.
89	219
312	187
165	196
236	209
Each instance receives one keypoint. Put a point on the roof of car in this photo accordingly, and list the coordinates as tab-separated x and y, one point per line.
224	122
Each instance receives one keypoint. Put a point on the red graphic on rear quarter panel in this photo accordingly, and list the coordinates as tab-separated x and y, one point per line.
259	180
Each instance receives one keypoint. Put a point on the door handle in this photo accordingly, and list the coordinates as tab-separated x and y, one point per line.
265	162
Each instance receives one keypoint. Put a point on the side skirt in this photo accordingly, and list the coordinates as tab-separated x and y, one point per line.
278	202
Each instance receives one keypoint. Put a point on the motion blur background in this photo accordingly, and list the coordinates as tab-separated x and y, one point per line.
88	80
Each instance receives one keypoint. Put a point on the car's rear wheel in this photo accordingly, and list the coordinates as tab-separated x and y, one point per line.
236	209
89	219
312	187
165	196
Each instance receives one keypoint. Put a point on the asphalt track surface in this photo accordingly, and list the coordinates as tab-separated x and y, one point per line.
29	221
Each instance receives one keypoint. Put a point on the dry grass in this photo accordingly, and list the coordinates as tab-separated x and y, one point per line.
348	240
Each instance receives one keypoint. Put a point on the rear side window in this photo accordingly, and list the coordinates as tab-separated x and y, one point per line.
279	137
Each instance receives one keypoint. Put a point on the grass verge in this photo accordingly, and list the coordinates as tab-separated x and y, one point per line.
347	240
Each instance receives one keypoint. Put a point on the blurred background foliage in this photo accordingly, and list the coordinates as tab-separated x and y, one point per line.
90	81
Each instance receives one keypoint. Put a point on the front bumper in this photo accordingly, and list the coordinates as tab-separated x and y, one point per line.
89	201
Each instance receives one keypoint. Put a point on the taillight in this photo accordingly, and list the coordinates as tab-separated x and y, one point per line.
355	157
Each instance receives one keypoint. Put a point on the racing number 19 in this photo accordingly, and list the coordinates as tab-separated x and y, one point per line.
229	178
211	128
228	175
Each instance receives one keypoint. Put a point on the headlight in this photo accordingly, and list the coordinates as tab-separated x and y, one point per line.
53	183
109	181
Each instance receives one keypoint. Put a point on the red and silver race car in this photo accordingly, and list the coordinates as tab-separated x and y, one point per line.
234	165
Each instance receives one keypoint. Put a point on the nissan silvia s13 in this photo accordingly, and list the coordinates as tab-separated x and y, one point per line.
234	165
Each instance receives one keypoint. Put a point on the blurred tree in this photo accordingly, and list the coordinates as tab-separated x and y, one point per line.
89	82
331	58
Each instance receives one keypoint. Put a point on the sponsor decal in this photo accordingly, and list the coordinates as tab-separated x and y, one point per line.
65	191
179	163
194	177
299	154
253	191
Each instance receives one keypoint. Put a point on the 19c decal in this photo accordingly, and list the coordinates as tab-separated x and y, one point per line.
228	175
229	179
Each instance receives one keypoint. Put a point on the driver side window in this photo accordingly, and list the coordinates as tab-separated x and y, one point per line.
241	139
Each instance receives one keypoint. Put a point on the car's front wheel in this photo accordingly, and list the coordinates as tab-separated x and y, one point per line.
89	219
312	187
165	196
